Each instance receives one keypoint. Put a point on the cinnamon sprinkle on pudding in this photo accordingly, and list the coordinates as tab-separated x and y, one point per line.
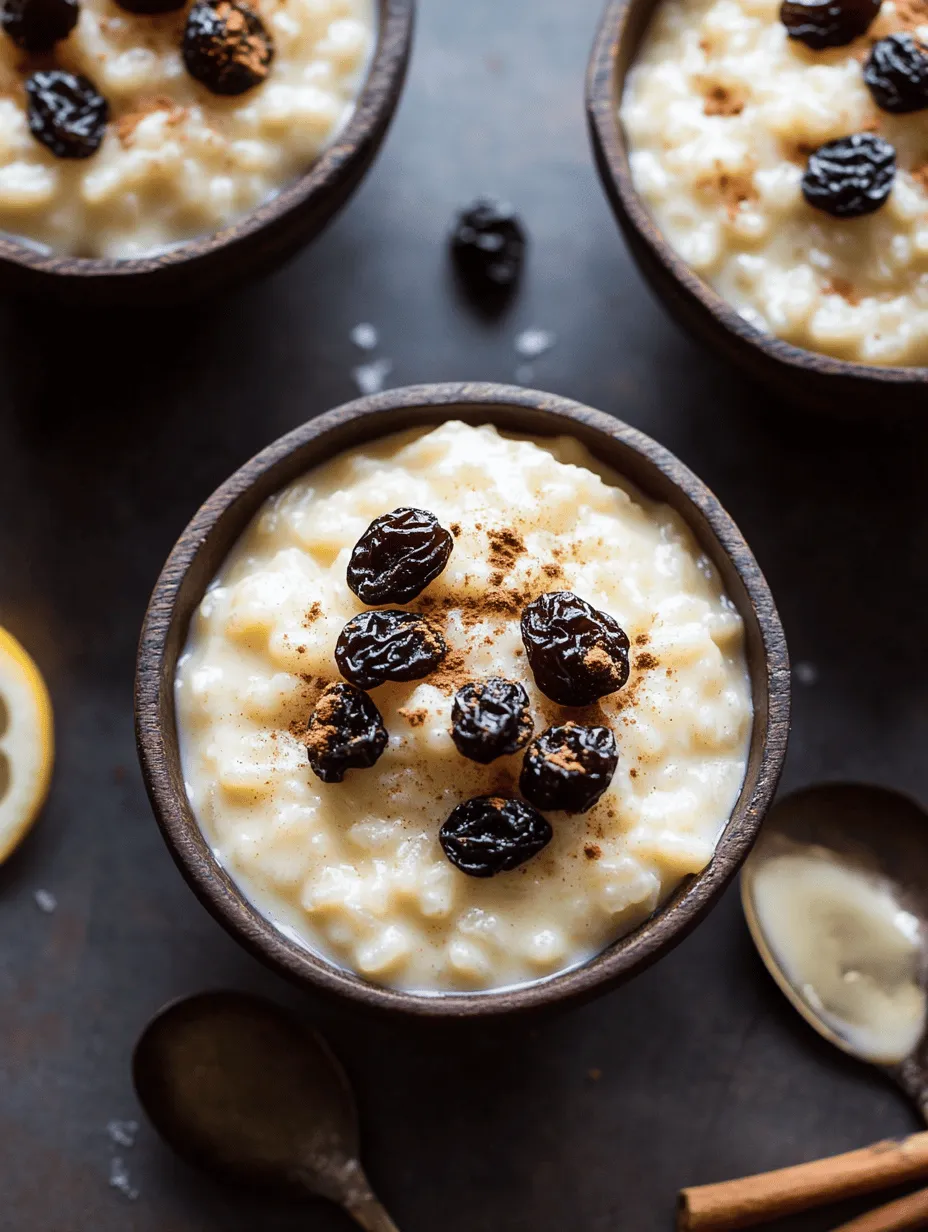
639	783
204	114
780	147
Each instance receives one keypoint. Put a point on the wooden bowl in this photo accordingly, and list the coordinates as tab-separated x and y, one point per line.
206	542
805	377
260	239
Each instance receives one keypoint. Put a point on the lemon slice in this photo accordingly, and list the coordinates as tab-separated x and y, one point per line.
27	742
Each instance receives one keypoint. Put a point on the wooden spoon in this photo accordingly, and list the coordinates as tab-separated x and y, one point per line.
237	1086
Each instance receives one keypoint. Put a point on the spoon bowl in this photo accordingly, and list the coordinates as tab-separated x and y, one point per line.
867	830
240	1088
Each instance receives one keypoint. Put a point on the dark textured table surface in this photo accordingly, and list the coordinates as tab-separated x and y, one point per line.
114	428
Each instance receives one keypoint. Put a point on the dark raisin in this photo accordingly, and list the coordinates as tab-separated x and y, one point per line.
576	653
398	555
388	645
227	46
493	834
569	767
488	248
150	8
345	732
896	73
827	23
490	718
66	113
37	25
850	177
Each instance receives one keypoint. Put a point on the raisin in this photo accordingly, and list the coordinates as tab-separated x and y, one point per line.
576	653
850	177
488	248
66	113
896	74
569	767
345	732
490	718
398	555
827	23
150	8
493	834
388	645
37	25
227	46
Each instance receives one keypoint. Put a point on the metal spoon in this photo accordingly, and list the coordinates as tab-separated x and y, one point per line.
237	1086
871	828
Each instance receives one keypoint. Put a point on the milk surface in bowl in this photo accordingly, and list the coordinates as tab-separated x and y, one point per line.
727	116
175	158
355	870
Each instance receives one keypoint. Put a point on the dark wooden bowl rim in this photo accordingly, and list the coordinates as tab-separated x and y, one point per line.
217	526
604	87
378	93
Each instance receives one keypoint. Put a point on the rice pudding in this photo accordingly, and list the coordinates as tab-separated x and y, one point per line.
174	158
724	111
378	871
848	947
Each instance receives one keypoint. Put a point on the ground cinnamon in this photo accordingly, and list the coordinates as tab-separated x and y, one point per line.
723	100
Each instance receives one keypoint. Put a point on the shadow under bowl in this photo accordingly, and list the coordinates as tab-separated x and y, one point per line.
805	378
213	532
257	242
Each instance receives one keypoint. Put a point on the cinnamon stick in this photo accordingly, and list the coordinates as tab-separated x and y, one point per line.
900	1216
770	1195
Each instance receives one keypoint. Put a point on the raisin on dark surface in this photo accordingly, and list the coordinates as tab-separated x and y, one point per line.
398	555
827	23
386	645
493	834
227	46
37	25
576	653
488	248
345	732
66	113
896	74
569	767
850	177
490	718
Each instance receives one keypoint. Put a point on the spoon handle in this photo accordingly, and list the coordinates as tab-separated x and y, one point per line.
369	1213
912	1075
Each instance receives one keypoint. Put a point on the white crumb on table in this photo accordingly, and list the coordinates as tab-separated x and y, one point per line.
534	342
122	1133
806	673
45	901
365	336
119	1179
371	378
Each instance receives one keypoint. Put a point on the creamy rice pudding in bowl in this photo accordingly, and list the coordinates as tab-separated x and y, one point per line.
461	699
156	148
768	163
